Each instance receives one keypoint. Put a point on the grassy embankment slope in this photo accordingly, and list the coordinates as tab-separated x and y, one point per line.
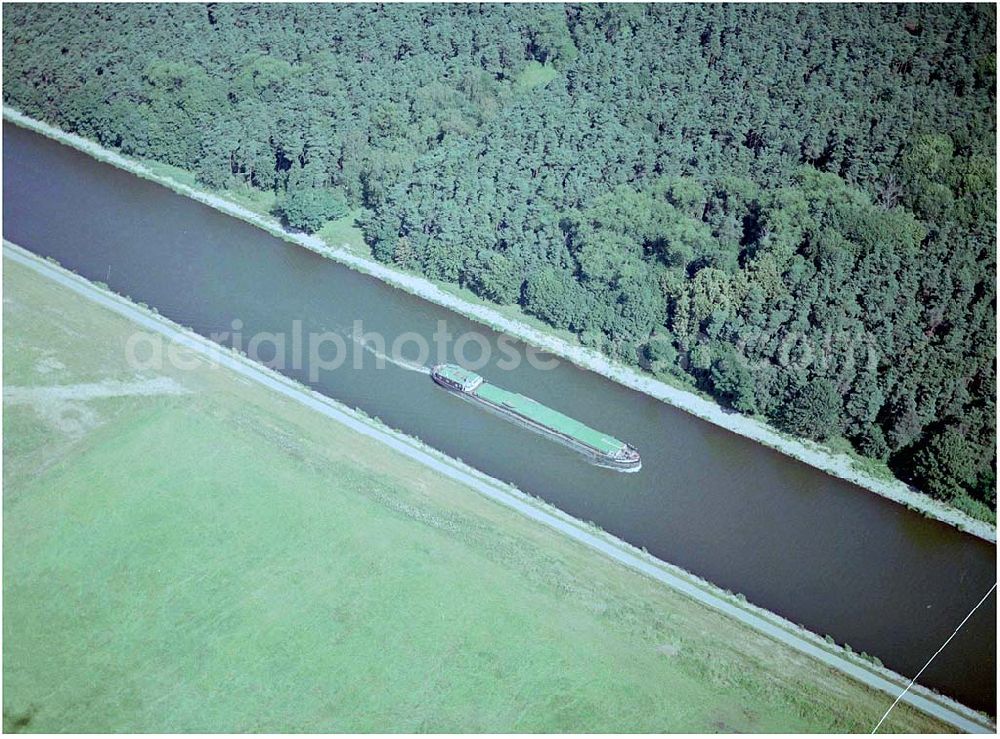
219	558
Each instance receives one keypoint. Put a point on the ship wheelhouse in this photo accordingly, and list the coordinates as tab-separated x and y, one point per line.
456	378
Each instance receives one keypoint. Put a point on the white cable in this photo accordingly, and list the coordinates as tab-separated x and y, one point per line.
940	649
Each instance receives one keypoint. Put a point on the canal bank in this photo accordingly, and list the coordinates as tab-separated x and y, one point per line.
683	582
799	543
813	454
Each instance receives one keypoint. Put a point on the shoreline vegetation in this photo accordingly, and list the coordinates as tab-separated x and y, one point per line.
815	454
529	509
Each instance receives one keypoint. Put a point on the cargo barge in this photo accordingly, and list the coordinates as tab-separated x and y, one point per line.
605	450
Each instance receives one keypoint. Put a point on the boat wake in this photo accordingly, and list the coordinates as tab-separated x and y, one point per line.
401	363
624	471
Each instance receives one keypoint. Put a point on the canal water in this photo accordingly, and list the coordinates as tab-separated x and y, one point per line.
817	550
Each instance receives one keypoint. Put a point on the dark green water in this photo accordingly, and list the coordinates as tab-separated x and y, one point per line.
815	549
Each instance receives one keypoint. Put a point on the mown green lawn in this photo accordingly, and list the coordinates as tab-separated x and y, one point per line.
226	560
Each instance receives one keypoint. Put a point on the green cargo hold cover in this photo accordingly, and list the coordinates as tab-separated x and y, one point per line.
545	416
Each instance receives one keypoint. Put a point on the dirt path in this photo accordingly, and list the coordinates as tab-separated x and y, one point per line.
91	390
768	623
65	408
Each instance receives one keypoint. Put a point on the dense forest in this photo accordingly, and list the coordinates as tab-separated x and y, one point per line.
791	207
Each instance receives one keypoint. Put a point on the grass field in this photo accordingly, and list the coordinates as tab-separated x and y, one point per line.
185	551
533	75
